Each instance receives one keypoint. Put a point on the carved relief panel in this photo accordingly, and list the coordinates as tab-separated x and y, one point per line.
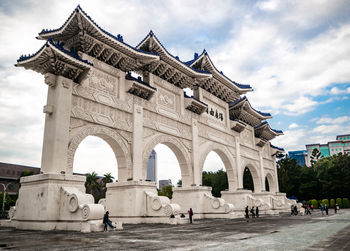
103	82
100	114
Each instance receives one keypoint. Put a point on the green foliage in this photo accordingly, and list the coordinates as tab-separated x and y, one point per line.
339	202
217	180
10	200
346	203
179	183
26	173
314	203
332	203
315	155
325	202
328	178
107	178
166	191
319	203
248	180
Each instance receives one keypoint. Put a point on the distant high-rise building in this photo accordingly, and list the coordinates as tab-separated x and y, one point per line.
340	145
152	167
299	156
164	183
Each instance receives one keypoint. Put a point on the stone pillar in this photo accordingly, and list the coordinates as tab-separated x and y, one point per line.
196	169
262	173
122	94
137	143
238	164
57	121
276	175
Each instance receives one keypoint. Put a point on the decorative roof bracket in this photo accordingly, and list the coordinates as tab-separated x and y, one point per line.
237	125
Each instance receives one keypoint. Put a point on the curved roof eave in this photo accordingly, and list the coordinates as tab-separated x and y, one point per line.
265	123
196	72
242	88
44	34
261	115
25	59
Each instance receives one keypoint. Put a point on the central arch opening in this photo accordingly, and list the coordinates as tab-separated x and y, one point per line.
163	168
214	174
95	159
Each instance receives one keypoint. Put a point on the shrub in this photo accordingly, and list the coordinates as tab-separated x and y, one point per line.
314	203
319	203
346	203
325	202
332	203
339	202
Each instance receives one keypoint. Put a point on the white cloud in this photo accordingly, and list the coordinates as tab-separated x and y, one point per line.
338	120
293	126
291	140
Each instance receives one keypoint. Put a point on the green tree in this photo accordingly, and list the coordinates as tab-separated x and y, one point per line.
217	180
93	186
107	178
339	202
179	183
248	182
315	155
166	191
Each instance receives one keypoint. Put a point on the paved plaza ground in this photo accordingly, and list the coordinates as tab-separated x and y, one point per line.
266	233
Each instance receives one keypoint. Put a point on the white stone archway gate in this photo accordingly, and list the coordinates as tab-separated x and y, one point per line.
91	92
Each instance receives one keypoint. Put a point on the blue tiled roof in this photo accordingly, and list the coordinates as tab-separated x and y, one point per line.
59	46
276	147
265	122
118	37
242	86
151	34
265	114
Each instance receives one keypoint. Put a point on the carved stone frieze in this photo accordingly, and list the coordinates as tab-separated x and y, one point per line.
166	99
215	135
246	137
102	97
249	152
161	123
268	164
100	114
103	82
75	123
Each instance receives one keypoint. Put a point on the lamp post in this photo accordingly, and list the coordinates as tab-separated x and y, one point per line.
4	198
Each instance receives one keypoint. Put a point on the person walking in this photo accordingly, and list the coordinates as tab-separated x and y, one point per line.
107	222
252	211
190	214
326	208
308	210
246	213
257	212
322	209
291	209
335	208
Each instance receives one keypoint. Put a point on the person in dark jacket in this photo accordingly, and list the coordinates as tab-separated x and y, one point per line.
107	222
190	214
246	212
257	212
252	211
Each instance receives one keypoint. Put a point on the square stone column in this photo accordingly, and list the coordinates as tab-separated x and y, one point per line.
57	121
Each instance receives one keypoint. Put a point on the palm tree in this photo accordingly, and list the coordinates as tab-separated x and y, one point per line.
91	183
107	178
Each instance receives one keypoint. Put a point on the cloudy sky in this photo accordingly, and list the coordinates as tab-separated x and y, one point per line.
295	54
